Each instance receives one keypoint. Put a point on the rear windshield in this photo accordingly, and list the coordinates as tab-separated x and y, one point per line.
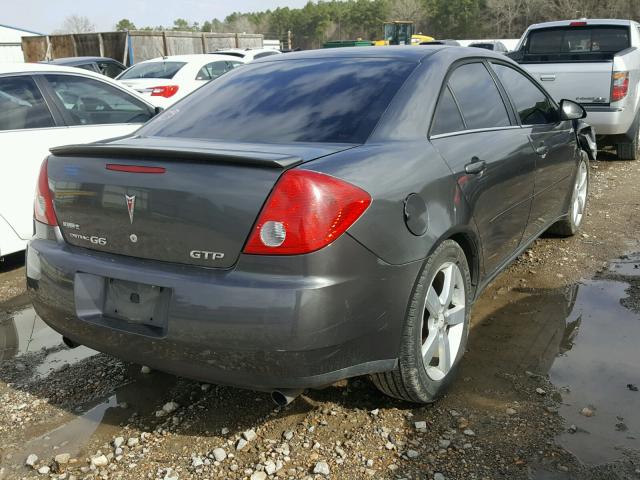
152	70
313	100
588	41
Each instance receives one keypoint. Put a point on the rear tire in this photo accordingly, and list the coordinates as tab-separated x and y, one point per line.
435	329
570	223
629	150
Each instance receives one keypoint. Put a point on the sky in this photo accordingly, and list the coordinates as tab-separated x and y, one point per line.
45	16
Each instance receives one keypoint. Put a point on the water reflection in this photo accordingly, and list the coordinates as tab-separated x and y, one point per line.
23	332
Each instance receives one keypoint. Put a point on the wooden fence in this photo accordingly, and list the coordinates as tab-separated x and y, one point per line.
132	47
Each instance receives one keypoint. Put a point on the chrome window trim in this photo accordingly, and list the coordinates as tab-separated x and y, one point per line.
474	130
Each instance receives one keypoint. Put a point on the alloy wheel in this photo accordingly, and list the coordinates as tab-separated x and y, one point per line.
580	195
443	321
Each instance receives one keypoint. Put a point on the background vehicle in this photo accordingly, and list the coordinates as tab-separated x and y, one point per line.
43	106
276	245
106	66
248	54
596	63
494	45
450	42
401	32
165	80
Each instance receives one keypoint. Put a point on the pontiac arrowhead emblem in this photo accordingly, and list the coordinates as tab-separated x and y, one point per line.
131	205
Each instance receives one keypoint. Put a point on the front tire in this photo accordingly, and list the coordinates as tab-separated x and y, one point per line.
435	329
570	224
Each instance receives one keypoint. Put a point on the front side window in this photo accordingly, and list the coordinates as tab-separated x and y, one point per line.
312	100
478	97
158	69
91	102
447	118
22	105
533	106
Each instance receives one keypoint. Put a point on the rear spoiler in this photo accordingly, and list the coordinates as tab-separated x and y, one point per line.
182	152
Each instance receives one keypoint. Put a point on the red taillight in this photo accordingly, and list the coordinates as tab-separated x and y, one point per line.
165	91
578	24
619	86
43	204
306	212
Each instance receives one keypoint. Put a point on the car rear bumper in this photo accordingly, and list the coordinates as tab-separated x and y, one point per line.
270	322
610	120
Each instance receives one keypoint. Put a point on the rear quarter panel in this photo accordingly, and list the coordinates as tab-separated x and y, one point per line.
390	172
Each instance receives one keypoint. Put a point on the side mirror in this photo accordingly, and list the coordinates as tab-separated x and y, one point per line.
157	110
570	110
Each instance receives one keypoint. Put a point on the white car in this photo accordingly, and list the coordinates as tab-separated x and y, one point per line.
165	80
248	54
44	106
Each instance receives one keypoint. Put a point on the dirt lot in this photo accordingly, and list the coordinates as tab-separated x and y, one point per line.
548	388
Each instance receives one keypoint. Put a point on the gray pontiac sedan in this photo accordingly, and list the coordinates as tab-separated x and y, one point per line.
309	217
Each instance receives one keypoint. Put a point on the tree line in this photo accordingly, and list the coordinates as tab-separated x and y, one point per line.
318	22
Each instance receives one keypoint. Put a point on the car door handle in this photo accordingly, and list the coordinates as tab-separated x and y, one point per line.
542	150
476	166
547	78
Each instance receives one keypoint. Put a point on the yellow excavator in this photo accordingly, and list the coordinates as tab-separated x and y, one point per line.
400	32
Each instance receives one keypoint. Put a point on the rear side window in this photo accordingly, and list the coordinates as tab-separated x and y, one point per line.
152	70
478	97
264	54
213	70
447	118
315	100
91	102
534	107
578	40
110	69
22	105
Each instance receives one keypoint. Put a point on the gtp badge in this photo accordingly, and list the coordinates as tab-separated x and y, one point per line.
131	205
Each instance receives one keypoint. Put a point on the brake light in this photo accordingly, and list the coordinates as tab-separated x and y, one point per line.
578	24
43	205
165	91
134	168
619	85
305	212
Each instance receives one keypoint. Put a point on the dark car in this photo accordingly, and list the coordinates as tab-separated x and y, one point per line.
104	65
307	218
450	42
494	45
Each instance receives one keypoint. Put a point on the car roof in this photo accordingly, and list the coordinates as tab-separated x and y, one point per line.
197	57
590	21
45	67
79	60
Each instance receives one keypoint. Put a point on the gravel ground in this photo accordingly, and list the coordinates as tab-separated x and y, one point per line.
103	418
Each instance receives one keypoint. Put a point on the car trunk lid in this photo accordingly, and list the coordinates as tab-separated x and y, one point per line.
171	200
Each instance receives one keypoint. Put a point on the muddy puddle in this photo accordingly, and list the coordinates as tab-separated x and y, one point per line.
584	337
23	333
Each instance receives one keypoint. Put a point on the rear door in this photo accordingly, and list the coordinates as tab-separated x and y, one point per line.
477	135
553	146
27	126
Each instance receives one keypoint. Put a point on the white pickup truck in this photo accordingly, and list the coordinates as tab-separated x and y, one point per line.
596	63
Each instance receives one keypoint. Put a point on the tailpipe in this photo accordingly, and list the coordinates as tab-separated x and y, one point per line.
284	396
70	343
